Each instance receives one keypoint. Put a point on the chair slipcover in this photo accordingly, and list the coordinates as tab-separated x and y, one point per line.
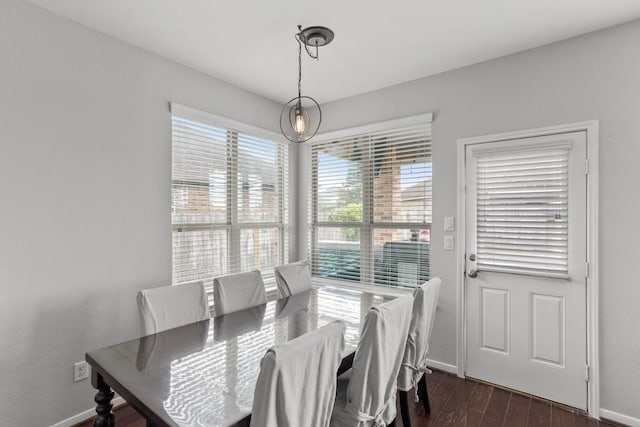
297	382
293	304
414	362
168	307
237	292
293	278
369	399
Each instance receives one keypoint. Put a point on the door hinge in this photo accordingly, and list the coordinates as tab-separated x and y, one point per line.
586	269
587	373
586	166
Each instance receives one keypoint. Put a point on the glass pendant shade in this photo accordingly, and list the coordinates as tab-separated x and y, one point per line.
300	119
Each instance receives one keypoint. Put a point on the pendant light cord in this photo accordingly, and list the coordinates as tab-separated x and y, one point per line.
306	47
299	37
299	68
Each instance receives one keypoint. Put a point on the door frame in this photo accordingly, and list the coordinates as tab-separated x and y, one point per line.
592	134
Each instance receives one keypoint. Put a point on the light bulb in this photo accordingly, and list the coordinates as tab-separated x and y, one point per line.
299	124
296	124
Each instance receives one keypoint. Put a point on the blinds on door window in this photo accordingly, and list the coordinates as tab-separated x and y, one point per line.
522	201
228	199
371	207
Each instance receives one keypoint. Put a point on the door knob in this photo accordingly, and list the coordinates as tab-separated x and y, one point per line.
473	274
472	257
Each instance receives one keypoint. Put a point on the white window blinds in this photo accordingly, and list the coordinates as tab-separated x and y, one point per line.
228	200
522	201
370	207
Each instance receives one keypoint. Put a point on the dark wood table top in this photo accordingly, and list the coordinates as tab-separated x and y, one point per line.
204	374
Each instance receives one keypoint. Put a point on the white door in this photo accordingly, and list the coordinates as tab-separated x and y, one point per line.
526	265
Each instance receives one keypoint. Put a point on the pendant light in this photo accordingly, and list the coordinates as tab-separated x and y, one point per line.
300	118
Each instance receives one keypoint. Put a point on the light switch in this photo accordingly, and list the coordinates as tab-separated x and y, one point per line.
449	223
448	243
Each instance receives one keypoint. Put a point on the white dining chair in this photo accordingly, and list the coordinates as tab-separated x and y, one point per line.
293	304
168	307
293	278
296	386
367	393
238	291
414	362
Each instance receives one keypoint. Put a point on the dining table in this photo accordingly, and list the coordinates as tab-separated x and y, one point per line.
204	373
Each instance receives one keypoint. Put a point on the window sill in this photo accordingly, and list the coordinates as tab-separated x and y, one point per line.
380	290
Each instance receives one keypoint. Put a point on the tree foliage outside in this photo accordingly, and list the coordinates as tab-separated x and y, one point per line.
349	207
351	212
352	190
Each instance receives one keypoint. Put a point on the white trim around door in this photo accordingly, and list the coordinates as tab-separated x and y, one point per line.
591	129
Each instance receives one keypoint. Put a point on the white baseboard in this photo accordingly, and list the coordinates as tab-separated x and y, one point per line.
619	418
452	369
85	415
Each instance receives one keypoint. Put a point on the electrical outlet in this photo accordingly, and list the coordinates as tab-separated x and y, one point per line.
80	371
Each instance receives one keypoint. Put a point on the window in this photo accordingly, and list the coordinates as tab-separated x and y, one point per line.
522	211
228	199
370	207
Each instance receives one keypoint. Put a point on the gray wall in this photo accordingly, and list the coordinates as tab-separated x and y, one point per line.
85	172
596	76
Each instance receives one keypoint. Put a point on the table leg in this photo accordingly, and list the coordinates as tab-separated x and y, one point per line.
104	417
404	408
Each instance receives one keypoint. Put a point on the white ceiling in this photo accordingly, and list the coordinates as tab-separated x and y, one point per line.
250	43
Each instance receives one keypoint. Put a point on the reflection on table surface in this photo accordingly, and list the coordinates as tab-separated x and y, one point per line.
204	374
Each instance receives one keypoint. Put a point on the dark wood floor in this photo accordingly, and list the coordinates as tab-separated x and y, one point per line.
457	402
